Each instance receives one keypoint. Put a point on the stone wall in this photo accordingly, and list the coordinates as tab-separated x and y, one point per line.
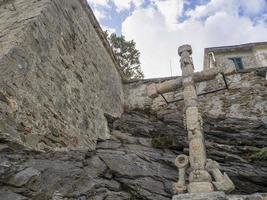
57	75
261	55
245	99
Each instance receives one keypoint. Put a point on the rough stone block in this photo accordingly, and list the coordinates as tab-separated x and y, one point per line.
27	176
200	187
152	90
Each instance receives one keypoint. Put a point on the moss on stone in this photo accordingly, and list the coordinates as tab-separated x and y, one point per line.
162	142
261	155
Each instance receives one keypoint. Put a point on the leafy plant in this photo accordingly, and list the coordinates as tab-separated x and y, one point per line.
127	56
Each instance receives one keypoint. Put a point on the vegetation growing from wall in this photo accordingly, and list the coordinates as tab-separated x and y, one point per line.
127	56
162	142
261	155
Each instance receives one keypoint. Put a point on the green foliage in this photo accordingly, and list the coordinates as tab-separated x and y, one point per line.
261	155
162	142
127	56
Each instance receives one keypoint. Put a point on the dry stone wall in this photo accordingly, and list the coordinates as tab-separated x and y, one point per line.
234	124
137	163
245	99
58	78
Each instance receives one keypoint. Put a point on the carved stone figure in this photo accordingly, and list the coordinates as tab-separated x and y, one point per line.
222	181
201	169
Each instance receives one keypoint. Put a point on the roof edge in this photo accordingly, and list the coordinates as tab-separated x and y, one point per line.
246	46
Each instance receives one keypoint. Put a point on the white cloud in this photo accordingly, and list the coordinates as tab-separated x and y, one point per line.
253	7
229	6
108	29
138	3
98	2
97	7
148	29
100	7
217	23
232	7
99	14
126	4
170	9
120	4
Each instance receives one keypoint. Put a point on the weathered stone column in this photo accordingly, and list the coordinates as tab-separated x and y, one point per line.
199	179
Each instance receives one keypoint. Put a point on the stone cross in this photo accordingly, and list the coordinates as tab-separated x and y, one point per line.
154	89
202	171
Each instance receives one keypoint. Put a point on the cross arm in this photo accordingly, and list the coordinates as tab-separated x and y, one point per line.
155	89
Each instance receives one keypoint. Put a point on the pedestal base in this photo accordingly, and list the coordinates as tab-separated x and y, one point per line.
219	196
200	187
201	196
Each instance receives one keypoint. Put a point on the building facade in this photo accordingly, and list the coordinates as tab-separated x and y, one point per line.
244	56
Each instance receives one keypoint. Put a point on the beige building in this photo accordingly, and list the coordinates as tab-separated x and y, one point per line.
244	56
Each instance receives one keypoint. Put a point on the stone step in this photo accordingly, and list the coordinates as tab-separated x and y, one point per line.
219	196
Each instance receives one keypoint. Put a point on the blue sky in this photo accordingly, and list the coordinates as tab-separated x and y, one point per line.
159	26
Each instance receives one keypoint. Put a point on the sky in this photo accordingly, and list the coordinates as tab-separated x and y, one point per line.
159	27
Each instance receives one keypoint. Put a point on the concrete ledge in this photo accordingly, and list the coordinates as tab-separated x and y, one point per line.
201	196
219	196
256	196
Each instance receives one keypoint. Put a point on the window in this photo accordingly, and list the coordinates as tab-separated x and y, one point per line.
238	63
